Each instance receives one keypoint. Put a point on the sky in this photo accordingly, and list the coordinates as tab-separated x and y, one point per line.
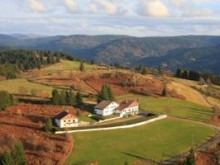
121	17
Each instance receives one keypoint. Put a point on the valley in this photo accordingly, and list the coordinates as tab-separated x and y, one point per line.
107	82
133	145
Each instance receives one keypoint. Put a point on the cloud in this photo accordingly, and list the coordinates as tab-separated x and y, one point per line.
188	8
153	8
84	24
176	2
72	6
198	13
106	6
36	6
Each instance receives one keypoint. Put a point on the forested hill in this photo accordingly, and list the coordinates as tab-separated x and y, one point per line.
127	50
13	61
199	59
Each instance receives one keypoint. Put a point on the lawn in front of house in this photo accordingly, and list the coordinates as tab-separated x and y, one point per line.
173	107
154	141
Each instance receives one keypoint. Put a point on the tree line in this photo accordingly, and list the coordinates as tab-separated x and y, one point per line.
66	97
9	71
24	60
197	76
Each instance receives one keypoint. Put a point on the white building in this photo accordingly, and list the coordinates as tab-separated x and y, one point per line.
105	108
127	108
66	119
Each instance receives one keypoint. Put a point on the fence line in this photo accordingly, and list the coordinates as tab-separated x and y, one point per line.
117	127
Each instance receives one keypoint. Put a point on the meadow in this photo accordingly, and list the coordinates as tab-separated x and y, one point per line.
71	65
172	107
155	141
23	86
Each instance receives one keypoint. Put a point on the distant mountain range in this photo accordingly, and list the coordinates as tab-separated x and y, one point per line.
200	53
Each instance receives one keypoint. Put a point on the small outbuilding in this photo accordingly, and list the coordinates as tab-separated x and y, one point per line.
66	119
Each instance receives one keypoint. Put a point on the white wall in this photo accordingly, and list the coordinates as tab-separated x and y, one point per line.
67	123
118	127
129	110
109	110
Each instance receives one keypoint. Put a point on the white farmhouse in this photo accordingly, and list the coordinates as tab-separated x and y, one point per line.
127	107
105	108
66	119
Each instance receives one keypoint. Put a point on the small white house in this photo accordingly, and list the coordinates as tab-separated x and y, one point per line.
66	119
127	107
105	108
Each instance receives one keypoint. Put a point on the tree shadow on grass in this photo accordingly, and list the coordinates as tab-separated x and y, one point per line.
201	111
142	158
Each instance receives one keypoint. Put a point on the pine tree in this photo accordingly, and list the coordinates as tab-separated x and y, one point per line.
55	97
110	93
48	125
6	100
144	71
190	160
7	159
106	93
18	154
79	100
57	57
15	156
103	95
70	98
63	98
81	67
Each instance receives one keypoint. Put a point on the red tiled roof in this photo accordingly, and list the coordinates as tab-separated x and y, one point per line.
103	104
127	104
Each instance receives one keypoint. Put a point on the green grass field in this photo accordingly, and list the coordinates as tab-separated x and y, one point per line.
15	87
71	65
154	141
172	106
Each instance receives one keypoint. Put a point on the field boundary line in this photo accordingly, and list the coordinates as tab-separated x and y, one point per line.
195	121
114	128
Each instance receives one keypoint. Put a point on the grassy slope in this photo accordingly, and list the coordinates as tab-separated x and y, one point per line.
71	65
174	107
12	86
189	93
169	137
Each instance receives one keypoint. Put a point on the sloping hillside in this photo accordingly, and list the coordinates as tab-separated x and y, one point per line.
190	52
189	93
200	59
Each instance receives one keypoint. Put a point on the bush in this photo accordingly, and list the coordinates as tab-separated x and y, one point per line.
6	100
48	125
14	156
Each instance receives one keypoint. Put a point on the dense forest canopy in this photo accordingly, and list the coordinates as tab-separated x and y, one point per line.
198	76
11	61
199	53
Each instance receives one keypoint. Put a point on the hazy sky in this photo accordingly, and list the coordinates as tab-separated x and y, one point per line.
129	17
